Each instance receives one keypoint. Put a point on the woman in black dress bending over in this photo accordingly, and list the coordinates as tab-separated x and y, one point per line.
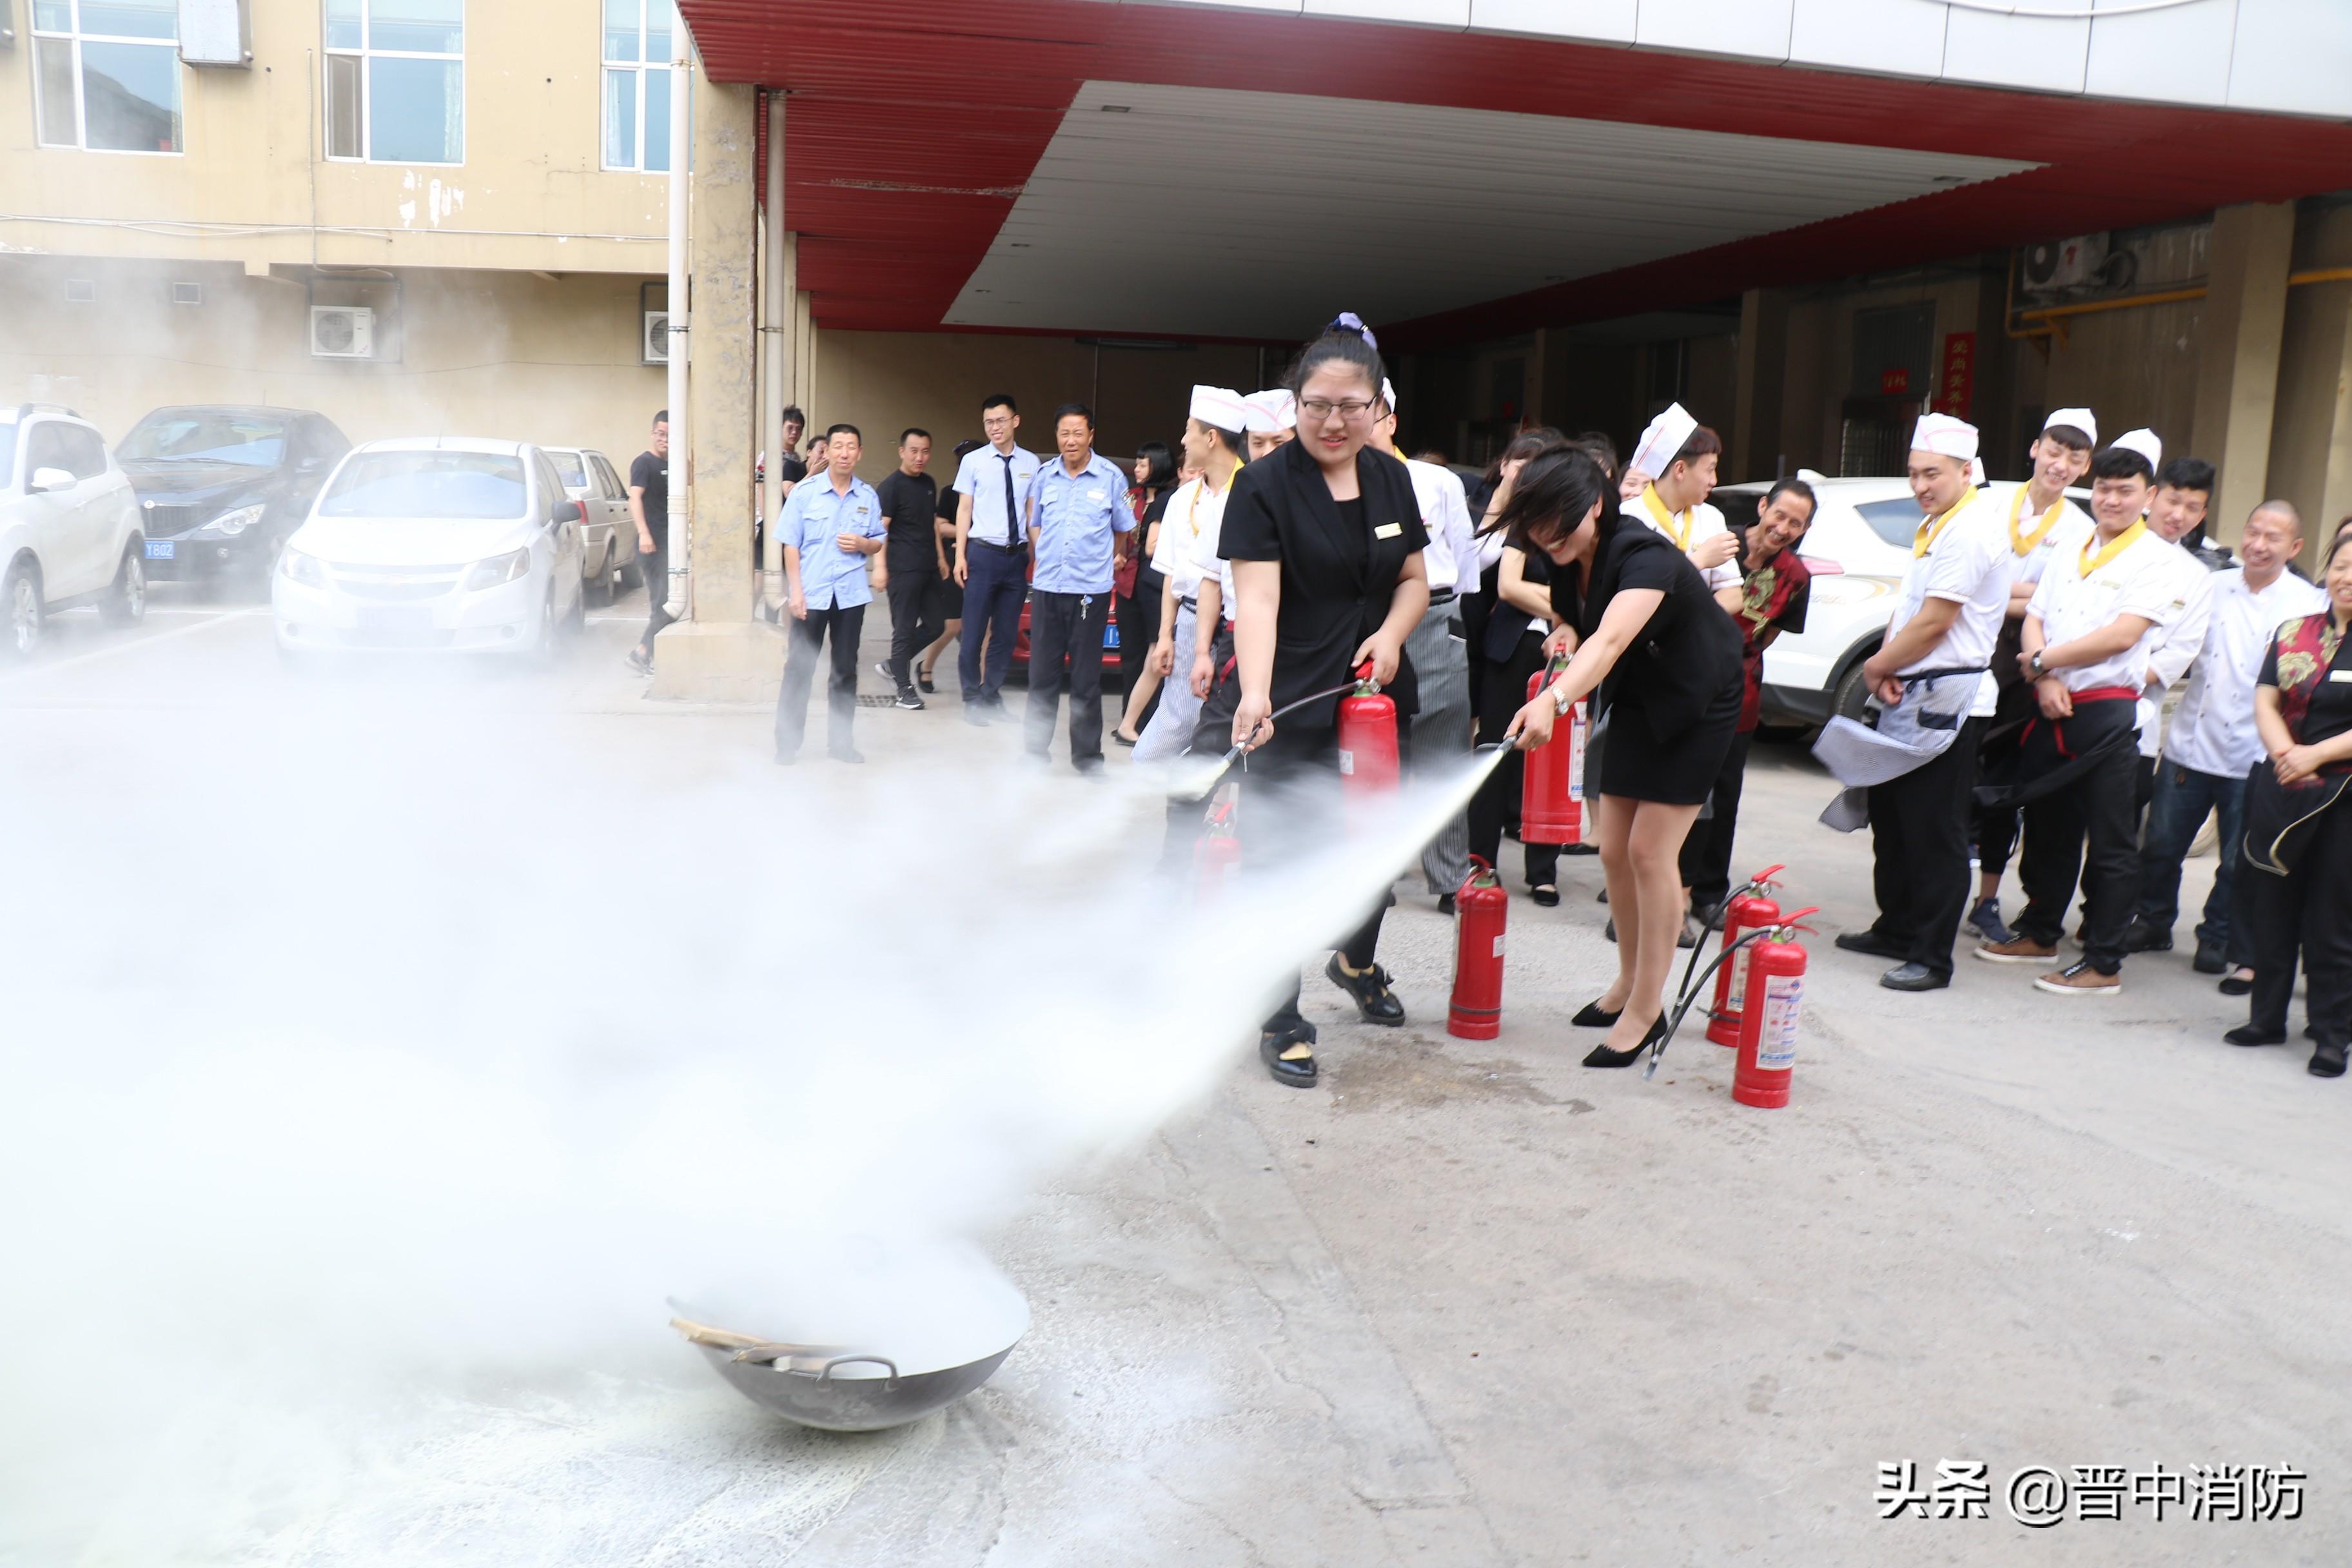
1326	537
1665	659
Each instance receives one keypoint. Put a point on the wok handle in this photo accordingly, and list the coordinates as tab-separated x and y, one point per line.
717	1339
825	1373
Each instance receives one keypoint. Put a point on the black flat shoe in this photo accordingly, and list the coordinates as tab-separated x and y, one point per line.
926	685
2247	1035
1914	977
1593	1017
1121	739
1871	942
1297	1071
1546	897
2234	985
1446	905
1580	848
2327	1062
1602	1056
2209	960
1369	991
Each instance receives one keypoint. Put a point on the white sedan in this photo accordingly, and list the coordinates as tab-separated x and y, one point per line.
1858	548
435	542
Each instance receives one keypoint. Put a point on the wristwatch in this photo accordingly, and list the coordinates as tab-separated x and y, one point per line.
1560	703
2036	664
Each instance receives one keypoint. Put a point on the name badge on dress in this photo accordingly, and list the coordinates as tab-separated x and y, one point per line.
1388	531
2344	675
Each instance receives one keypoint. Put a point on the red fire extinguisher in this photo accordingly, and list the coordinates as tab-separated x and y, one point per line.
1480	905
1368	745
1748	909
1217	851
1552	776
1767	1033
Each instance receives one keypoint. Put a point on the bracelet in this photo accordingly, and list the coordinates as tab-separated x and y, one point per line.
1560	701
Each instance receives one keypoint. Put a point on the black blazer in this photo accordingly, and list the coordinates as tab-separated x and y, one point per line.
1337	586
1688	658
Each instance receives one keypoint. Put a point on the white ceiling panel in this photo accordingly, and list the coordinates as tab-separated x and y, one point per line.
1758	29
2042	54
2178	54
2293	57
1270	212
1591	21
1892	37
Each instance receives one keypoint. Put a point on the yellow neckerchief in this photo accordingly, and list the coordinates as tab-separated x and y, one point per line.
2026	544
1201	488
1676	526
2112	548
1933	528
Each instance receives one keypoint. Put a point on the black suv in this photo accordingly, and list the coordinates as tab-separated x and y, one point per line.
221	486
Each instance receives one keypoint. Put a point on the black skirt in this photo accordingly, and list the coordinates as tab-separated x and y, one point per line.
1679	769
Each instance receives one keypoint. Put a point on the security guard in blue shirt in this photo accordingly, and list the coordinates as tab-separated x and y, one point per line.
1079	508
830	525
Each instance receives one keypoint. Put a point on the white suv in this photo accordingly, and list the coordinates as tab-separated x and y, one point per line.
69	530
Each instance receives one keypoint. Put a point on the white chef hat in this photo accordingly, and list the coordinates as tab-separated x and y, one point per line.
1943	434
1221	407
2145	442
1388	394
2075	419
1271	411
1654	454
1976	470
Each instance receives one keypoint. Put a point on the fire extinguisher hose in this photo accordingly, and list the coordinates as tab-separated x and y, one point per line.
1691	991
1193	789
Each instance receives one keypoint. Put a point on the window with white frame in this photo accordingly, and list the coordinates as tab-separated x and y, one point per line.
106	74
638	36
396	80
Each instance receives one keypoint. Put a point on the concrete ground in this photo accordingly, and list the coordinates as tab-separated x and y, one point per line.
1470	1304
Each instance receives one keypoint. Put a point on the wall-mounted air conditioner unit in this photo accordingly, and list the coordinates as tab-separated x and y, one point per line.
343	332
2062	264
655	349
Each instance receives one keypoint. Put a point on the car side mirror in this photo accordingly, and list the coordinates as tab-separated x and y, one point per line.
49	479
568	512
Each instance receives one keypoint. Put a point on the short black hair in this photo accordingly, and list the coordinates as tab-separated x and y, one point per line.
791	416
663	417
1603	450
1063	411
1795	487
913	430
2070	437
851	431
999	400
1160	470
1703	443
2188	474
2122	463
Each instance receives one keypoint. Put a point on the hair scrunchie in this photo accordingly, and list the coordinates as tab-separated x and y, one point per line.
1348	321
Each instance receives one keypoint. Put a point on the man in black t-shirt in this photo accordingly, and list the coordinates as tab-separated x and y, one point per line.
910	499
649	507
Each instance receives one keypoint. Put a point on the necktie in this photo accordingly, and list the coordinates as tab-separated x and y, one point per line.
1012	507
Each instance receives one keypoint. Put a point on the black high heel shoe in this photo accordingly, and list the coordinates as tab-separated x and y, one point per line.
1593	1017
1602	1056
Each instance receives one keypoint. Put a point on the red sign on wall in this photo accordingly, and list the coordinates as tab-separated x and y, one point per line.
1893	381
1956	385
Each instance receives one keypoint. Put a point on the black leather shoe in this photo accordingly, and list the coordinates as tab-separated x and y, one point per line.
1591	1017
2327	1062
1609	931
2209	960
2248	1035
1296	1071
2142	937
1914	977
1871	942
1445	905
1545	896
1369	991
1604	1057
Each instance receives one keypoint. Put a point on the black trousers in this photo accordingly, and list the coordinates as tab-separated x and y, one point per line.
914	621
655	572
1995	830
1706	851
1291	805
2309	910
1504	693
995	581
1138	628
1065	638
2089	833
1919	835
844	624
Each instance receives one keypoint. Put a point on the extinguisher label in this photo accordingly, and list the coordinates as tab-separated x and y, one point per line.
1348	763
1498	945
1576	752
1738	978
1776	1045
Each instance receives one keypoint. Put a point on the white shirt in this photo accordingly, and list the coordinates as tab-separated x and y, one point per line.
1700	523
1968	564
1446	515
2170	649
981	476
2073	527
1191	508
2144	580
1490	553
1207	562
2214	728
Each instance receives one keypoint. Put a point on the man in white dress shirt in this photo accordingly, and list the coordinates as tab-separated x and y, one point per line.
2213	745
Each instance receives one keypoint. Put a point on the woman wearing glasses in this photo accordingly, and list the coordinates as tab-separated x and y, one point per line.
1324	538
1665	658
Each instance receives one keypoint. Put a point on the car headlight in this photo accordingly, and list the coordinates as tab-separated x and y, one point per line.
497	569
229	524
307	570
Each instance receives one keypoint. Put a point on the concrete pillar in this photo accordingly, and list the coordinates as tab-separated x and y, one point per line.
2311	440
722	654
1763	367
2240	334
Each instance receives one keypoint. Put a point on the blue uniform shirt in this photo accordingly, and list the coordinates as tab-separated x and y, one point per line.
981	476
831	577
1076	517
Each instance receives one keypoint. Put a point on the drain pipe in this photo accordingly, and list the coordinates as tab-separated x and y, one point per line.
681	462
778	338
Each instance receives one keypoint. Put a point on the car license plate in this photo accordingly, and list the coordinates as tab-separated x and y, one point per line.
162	548
396	626
1110	635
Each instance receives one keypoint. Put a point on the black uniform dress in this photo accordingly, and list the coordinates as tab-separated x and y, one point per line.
1671	701
1342	563
2306	830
